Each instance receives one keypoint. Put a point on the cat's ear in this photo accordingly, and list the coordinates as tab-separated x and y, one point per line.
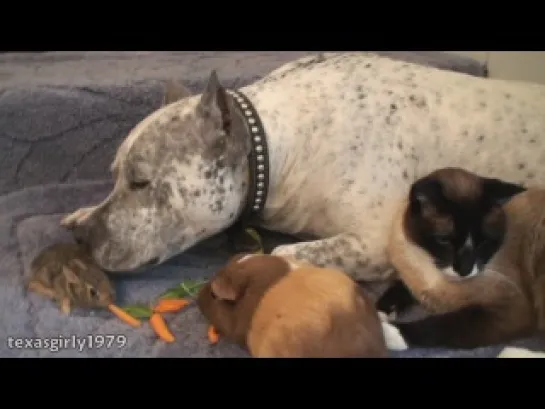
424	196
499	191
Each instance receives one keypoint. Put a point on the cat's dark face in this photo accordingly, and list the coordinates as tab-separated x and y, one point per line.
457	217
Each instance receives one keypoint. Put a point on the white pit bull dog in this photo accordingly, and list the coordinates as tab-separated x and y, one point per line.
324	146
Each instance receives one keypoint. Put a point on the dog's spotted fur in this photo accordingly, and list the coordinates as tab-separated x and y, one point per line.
348	134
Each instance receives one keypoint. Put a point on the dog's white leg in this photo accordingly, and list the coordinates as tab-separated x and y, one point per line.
346	252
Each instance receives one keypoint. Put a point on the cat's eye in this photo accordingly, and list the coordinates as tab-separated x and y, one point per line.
138	185
442	240
485	243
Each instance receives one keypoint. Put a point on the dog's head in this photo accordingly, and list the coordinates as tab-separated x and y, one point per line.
457	217
181	176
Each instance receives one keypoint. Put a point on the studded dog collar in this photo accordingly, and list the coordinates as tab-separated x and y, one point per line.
258	159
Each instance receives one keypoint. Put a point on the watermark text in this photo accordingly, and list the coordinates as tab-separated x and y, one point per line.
74	342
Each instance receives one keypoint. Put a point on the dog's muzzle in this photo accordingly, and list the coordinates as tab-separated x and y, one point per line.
81	233
92	234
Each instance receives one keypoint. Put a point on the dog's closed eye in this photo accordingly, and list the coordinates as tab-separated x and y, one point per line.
138	185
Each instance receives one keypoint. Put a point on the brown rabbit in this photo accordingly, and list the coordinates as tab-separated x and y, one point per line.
274	307
66	273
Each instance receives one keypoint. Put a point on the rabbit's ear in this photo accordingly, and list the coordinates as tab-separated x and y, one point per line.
77	263
70	275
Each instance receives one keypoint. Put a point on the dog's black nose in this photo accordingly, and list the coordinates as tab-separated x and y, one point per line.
80	234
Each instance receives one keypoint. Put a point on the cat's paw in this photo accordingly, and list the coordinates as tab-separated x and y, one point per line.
392	335
387	317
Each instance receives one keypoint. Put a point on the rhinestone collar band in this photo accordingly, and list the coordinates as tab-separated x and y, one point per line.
258	159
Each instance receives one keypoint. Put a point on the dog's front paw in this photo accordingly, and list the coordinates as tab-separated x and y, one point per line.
393	337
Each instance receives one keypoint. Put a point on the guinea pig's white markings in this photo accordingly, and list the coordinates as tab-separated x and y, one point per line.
392	336
293	265
247	257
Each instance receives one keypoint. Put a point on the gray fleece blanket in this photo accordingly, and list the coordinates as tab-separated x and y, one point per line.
62	117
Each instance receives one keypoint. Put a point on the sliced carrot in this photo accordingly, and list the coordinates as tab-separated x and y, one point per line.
124	316
213	335
159	325
170	305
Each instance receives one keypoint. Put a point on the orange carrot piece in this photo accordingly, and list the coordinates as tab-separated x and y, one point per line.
124	316
170	305
213	335
157	322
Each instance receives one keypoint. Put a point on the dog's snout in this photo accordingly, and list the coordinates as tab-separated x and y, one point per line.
151	262
86	232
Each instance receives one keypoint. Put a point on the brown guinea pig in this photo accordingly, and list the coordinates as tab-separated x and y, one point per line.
274	307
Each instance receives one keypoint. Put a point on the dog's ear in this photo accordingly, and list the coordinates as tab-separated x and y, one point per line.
223	129
174	91
499	191
214	103
424	196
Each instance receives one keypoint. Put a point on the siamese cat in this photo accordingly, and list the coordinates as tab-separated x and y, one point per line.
471	250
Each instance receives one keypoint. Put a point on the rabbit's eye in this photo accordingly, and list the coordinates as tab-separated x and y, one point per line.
92	292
